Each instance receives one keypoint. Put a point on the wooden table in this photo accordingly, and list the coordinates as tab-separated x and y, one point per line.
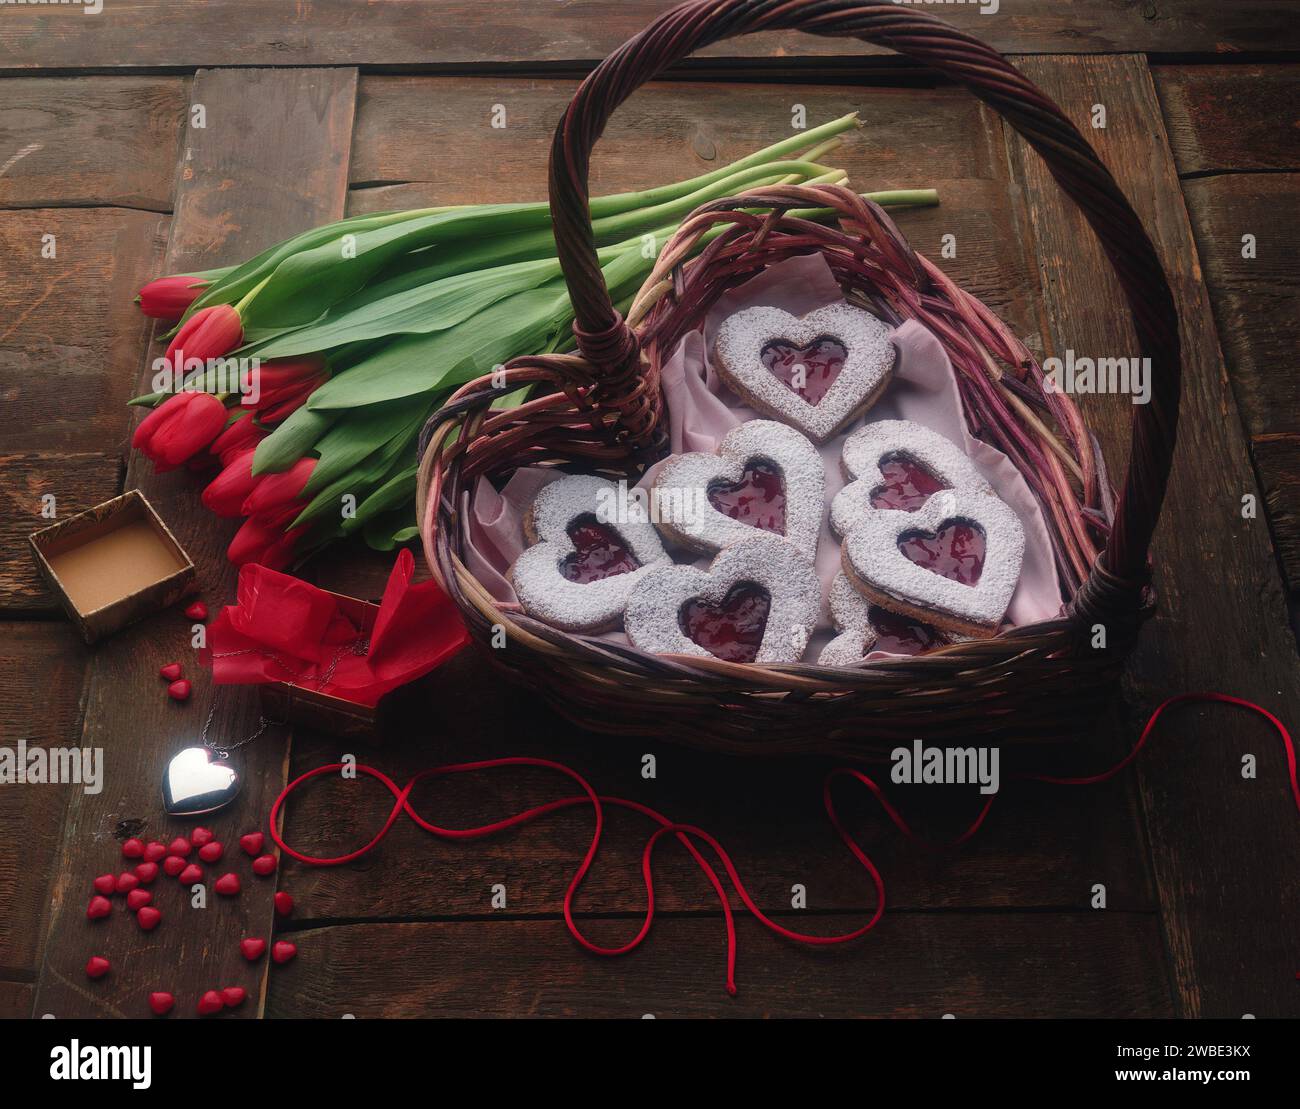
339	106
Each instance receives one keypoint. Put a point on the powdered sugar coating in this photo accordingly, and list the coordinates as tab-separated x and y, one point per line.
850	614
861	454
874	564
869	361
682	485
543	590
767	560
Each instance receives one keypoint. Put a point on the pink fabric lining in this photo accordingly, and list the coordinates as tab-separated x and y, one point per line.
701	410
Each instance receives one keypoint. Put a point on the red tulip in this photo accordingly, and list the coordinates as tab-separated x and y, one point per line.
273	494
229	489
167	298
209	333
284	384
269	545
241	434
179	428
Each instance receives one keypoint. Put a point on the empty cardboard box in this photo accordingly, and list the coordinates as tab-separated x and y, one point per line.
113	564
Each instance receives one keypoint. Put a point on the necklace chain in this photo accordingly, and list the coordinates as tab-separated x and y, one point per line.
359	646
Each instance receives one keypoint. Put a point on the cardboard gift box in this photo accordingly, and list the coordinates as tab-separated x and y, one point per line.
112	564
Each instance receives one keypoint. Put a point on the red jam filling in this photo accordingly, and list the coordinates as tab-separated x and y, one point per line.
757	499
731	629
901	635
907	484
600	552
809	371
955	551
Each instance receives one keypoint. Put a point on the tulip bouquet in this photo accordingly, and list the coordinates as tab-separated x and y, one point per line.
304	375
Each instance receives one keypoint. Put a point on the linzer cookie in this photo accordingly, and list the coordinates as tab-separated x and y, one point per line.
953	562
898	465
864	627
591	545
757	602
815	372
765	476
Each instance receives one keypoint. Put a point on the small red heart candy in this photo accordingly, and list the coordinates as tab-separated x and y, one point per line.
283	951
180	846
146	872
98	908
96	967
126	882
283	903
211	852
252	948
172	865
210	1003
155	852
233	996
136	898
106	883
132	848
264	865
197	611
179	690
161	1002
191	874
148	917
252	843
227	885
170	672
200	836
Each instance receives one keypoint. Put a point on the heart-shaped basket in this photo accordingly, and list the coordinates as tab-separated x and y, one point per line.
602	410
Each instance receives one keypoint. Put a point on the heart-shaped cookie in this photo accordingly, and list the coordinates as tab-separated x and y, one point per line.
591	543
864	627
765	477
815	372
897	465
953	563
757	602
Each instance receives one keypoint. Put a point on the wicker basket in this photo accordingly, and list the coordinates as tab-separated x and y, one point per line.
602	410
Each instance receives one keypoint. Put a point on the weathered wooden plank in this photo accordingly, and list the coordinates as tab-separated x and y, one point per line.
271	161
456	33
16	1000
70	335
76	481
1255	299
1231	117
431	140
1042	847
1224	847
914	965
41	677
83	141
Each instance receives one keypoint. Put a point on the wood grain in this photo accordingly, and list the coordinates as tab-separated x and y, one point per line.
1255	306
70	336
41	676
1231	118
1042	847
271	161
460	33
89	141
919	965
1223	846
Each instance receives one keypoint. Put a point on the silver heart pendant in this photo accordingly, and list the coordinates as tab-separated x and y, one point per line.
194	785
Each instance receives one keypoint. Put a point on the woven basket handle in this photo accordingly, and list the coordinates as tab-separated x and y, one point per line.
1116	582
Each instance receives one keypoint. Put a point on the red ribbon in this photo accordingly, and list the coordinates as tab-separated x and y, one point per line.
686	834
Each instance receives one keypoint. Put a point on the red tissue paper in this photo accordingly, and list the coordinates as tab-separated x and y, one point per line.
282	629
